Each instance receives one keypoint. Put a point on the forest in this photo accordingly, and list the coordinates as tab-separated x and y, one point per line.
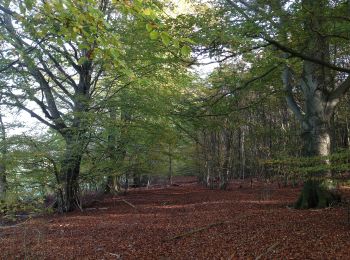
164	129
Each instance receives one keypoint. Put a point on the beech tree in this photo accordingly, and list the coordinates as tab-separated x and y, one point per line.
58	52
66	61
304	41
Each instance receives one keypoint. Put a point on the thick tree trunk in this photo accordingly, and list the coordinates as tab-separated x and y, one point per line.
315	193
317	140
316	137
321	96
70	170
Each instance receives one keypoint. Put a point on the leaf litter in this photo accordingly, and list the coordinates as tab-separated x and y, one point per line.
186	222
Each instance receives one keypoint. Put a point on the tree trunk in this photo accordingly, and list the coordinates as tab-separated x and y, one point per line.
316	136
315	193
321	96
317	140
3	181
227	158
242	152
170	173
70	170
111	153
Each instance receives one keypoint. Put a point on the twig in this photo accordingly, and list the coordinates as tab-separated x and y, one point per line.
268	250
193	231
117	255
131	205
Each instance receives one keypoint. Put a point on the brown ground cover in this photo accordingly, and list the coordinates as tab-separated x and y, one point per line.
186	222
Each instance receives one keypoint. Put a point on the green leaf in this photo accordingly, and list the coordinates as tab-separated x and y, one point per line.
185	51
176	43
28	4
154	35
75	29
165	38
22	8
187	40
149	27
147	12
82	60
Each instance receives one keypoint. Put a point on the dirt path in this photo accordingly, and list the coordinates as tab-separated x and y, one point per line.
185	222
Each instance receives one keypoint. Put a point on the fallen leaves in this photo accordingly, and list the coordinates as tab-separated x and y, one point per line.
185	222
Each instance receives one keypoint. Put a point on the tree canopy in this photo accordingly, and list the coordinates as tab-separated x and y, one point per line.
120	93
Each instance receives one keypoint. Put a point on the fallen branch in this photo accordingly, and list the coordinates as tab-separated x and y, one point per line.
193	231
88	209
268	250
131	205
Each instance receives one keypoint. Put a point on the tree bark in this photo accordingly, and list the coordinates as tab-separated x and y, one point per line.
70	170
242	152
227	158
170	173
321	96
3	181
111	153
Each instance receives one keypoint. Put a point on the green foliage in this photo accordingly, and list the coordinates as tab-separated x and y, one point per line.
306	168
116	78
15	207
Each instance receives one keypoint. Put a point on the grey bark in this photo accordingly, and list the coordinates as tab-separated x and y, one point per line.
317	85
170	173
242	151
227	159
321	97
112	185
3	181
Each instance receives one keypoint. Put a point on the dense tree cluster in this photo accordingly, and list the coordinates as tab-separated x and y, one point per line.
112	87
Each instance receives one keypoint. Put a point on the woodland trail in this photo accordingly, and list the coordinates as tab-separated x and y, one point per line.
186	222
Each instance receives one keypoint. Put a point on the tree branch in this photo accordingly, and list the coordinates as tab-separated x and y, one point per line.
287	79
32	113
340	90
305	57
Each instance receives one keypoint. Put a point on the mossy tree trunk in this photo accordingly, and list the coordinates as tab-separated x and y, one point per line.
316	194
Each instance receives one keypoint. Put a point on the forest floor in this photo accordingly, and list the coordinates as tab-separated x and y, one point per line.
186	222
